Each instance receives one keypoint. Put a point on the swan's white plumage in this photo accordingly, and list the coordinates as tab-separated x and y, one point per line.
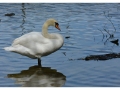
37	44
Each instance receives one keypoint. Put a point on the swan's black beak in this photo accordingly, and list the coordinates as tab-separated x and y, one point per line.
57	26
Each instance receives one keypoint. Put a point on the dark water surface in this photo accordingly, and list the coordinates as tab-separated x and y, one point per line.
87	30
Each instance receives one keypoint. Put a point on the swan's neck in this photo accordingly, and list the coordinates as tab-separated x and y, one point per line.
45	30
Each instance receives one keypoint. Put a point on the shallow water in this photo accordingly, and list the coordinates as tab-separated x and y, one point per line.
83	28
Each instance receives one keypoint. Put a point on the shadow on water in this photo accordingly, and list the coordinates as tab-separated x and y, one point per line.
37	76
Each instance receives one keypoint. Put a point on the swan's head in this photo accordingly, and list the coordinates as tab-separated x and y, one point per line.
53	22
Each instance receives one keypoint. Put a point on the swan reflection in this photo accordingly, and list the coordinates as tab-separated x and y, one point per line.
37	76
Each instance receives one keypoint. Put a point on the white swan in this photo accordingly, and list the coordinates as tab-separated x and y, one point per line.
38	44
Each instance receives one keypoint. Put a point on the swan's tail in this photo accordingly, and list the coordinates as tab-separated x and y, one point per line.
9	48
16	48
22	50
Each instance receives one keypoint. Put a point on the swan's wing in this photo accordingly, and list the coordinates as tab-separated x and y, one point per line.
30	38
35	45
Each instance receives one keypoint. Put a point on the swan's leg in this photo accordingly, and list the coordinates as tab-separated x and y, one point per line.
39	62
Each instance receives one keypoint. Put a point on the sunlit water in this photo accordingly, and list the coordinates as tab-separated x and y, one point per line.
83	28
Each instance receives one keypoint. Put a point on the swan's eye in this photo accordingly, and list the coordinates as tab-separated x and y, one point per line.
56	23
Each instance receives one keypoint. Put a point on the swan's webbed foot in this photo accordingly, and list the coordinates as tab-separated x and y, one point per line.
39	62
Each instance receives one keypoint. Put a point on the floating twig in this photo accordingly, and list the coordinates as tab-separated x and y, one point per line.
10	14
